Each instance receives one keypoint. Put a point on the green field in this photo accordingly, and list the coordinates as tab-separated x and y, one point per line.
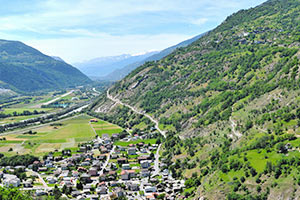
147	141
50	138
102	127
21	110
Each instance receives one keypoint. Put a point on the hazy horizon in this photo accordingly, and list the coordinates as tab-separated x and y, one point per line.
82	30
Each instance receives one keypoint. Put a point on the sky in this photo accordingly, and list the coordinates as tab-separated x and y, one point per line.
79	30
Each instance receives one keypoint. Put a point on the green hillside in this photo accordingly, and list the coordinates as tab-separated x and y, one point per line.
25	69
234	96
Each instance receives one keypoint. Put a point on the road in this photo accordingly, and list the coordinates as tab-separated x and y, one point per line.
156	162
107	160
94	89
57	98
138	112
41	179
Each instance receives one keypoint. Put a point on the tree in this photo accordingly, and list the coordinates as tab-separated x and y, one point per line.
56	192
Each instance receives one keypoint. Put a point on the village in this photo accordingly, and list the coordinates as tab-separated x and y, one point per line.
100	169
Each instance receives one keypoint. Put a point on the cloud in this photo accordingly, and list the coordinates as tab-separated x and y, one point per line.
84	48
199	21
64	28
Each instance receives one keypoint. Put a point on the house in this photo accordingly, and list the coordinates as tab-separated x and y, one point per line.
101	190
103	149
93	120
75	173
28	183
86	178
132	151
126	166
121	160
42	169
124	175
11	180
145	164
150	189
93	171
94	197
51	179
75	193
145	173
40	193
150	197
82	149
119	192
133	186
127	174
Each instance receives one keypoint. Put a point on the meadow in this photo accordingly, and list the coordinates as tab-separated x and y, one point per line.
57	136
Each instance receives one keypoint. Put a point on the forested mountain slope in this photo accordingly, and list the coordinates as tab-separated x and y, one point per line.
25	69
234	96
251	54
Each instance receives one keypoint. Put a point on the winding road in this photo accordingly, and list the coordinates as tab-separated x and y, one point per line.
156	162
138	112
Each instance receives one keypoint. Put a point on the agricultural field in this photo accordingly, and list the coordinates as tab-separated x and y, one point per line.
57	136
66	134
102	127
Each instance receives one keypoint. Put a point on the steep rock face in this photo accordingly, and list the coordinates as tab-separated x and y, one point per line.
26	69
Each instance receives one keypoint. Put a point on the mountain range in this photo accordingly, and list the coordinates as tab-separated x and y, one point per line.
101	67
229	103
25	69
115	68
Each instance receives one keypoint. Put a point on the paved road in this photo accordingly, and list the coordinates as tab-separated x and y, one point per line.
156	162
57	98
41	179
94	89
138	112
107	160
